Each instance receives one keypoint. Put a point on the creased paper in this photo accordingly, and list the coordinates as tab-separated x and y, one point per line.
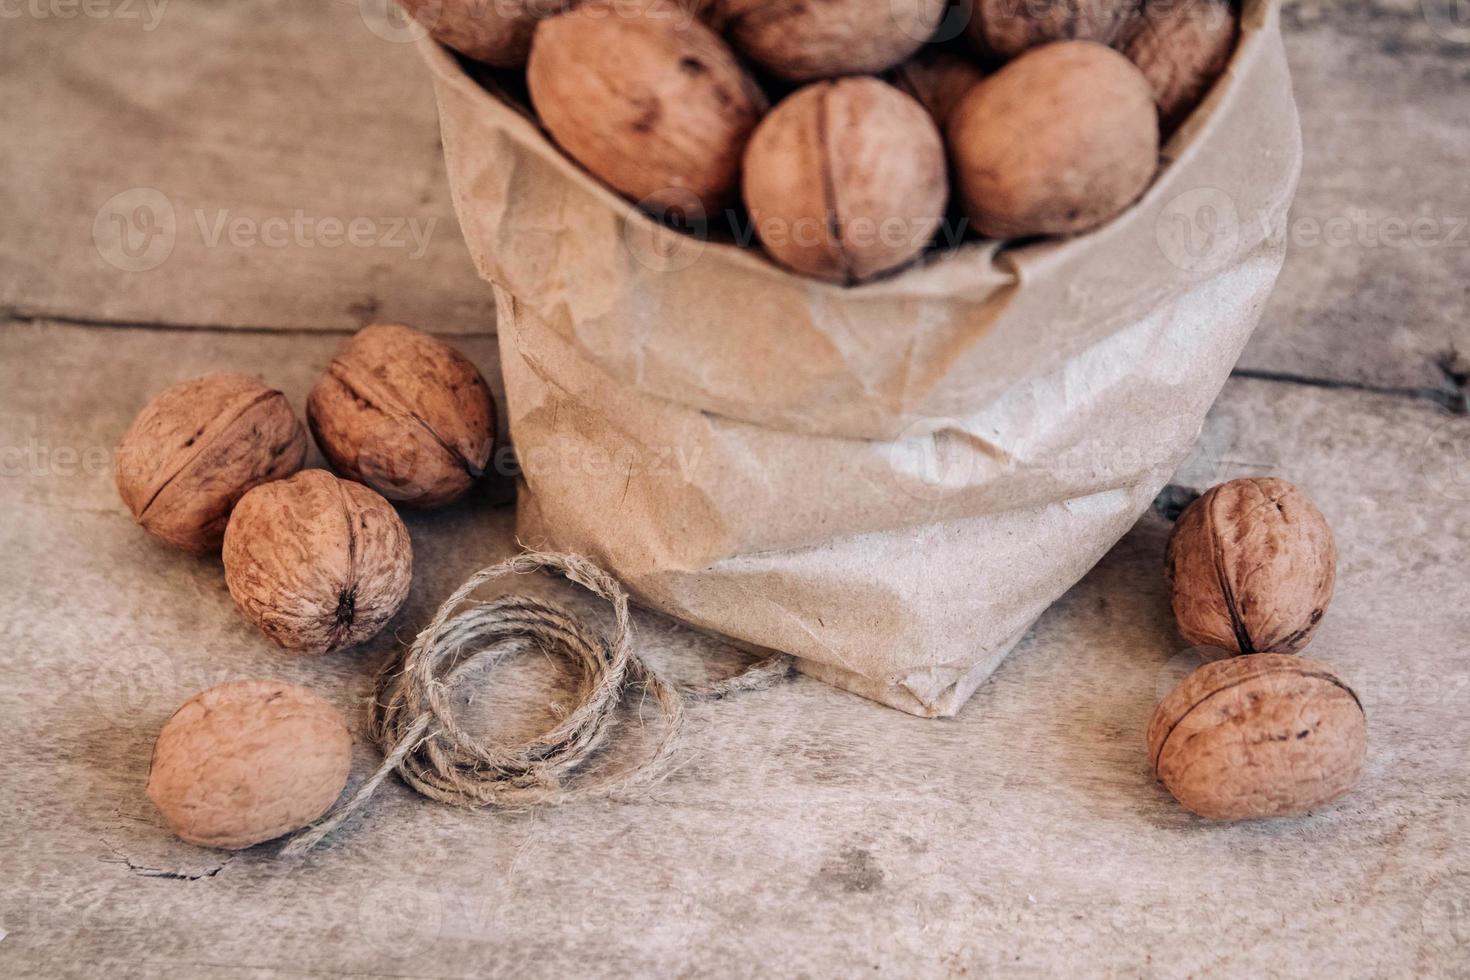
892	481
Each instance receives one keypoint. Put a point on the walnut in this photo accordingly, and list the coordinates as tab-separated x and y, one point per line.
197	447
405	414
937	80
802	42
497	32
317	563
1003	29
1251	566
846	180
652	102
1181	48
248	761
1267	736
1057	142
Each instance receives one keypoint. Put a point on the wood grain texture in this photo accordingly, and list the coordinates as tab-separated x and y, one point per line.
258	108
1386	132
806	831
257	136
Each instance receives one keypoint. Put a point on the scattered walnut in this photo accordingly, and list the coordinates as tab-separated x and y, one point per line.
316	562
1181	48
1057	142
405	414
802	42
650	101
497	32
248	761
846	180
197	447
1251	566
1267	736
1003	29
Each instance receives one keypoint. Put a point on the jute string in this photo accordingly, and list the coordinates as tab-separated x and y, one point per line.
413	720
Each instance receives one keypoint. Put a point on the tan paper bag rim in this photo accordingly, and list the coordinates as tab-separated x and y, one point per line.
984	258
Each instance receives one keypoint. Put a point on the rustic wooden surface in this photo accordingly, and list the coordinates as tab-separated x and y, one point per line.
807	832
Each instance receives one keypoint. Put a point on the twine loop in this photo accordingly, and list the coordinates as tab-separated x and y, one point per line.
413	720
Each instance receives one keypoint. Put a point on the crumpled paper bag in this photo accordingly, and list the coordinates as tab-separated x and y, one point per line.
892	481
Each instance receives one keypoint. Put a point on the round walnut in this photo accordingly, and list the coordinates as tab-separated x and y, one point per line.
248	761
1268	736
317	563
1181	48
1251	566
497	32
1058	142
405	414
938	80
846	180
652	102
1003	29
195	450
801	42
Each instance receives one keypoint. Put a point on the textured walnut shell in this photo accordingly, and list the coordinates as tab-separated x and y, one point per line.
802	42
1057	142
497	32
653	103
846	180
1181	48
405	414
1267	736
1251	566
195	450
937	80
1003	29
248	761
317	563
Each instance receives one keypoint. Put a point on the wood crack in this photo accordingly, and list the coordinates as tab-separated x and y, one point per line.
20	315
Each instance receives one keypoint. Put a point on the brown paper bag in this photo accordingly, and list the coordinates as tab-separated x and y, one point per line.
892	481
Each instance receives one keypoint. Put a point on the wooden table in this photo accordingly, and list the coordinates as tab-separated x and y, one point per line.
806	831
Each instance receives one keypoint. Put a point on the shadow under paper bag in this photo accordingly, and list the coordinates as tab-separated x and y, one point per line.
892	481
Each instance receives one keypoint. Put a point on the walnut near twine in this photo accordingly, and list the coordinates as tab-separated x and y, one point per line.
414	724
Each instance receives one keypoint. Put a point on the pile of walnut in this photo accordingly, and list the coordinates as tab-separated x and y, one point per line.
317	562
1262	732
1047	118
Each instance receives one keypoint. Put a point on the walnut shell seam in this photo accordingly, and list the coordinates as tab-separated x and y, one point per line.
1251	678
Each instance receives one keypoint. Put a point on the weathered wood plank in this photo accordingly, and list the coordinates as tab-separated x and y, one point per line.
255	110
1374	290
287	157
808	831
